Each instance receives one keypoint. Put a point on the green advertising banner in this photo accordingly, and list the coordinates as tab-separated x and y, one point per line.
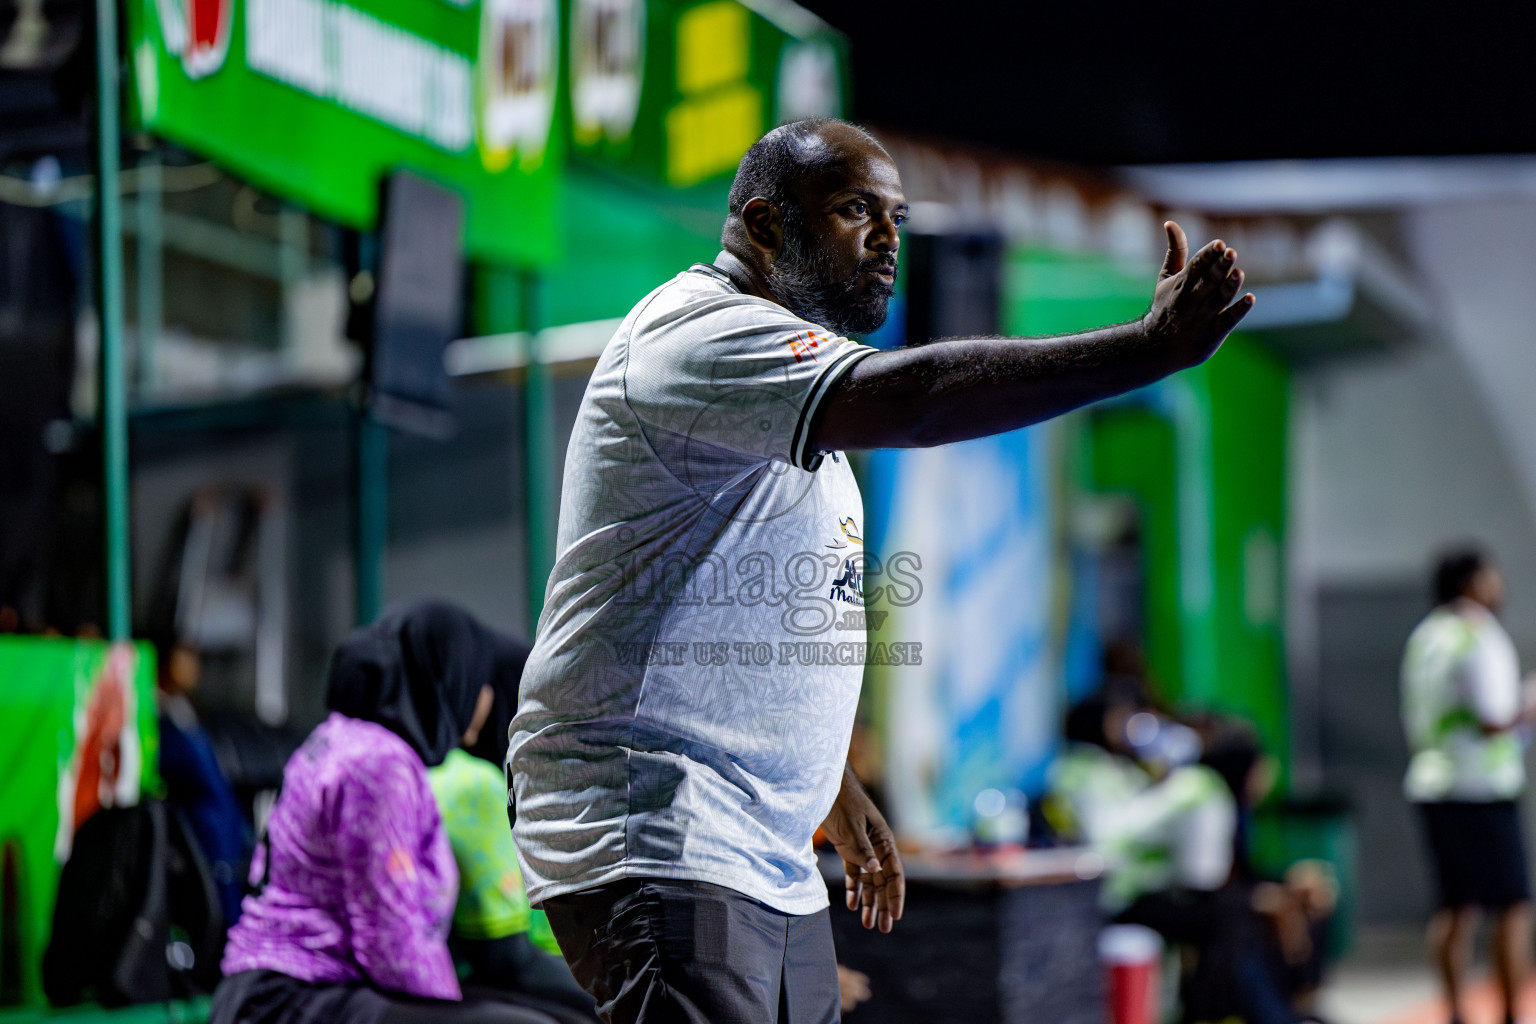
77	733
674	91
317	100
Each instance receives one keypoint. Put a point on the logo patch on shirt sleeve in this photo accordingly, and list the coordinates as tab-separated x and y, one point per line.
804	344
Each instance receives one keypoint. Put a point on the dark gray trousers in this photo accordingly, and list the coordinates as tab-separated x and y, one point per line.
659	951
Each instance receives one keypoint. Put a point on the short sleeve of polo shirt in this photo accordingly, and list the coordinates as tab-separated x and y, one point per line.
1491	676
714	375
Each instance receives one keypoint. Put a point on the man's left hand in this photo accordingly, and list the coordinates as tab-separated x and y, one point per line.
872	867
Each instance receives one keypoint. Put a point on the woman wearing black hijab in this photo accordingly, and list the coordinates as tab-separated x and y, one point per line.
504	658
356	882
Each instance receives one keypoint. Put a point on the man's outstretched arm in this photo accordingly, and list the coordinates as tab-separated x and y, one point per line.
971	387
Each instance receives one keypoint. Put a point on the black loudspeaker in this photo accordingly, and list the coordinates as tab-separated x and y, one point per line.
417	304
954	285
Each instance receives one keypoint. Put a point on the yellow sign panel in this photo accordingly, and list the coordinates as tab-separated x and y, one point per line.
712	46
720	113
708	135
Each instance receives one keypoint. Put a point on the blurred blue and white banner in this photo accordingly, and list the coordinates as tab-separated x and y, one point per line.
982	709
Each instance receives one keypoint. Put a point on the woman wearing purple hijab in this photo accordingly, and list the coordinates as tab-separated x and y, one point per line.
356	881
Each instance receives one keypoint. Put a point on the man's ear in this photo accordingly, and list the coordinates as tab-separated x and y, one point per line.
764	226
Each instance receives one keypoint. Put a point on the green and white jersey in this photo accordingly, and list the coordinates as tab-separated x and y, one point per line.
1461	673
1153	835
472	799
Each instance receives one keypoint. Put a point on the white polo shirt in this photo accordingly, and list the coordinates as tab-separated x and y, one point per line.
687	706
1460	672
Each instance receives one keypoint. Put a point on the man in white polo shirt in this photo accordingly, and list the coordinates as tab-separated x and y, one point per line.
687	708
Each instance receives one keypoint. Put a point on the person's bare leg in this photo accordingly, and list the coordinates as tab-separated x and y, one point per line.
1512	953
1450	942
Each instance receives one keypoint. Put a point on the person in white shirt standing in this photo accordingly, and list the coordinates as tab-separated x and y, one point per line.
1463	709
687	709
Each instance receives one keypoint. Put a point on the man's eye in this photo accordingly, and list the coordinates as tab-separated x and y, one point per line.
899	219
860	207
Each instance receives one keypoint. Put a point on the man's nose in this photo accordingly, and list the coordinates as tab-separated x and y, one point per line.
886	238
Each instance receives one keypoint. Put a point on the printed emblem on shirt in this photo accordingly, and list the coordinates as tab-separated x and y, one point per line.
804	344
848	587
850	534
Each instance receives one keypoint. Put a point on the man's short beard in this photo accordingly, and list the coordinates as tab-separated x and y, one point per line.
803	281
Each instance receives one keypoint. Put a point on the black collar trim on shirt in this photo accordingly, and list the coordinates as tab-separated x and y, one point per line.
713	271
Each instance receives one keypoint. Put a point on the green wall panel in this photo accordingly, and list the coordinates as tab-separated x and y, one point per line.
1134	452
622	240
1248	389
1213	529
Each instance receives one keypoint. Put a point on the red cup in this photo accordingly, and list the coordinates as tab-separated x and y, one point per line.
1132	957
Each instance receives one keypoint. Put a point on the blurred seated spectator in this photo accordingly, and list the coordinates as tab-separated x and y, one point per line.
1298	906
1231	750
498	941
1131	786
852	988
1163	822
1299	910
194	782
355	878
